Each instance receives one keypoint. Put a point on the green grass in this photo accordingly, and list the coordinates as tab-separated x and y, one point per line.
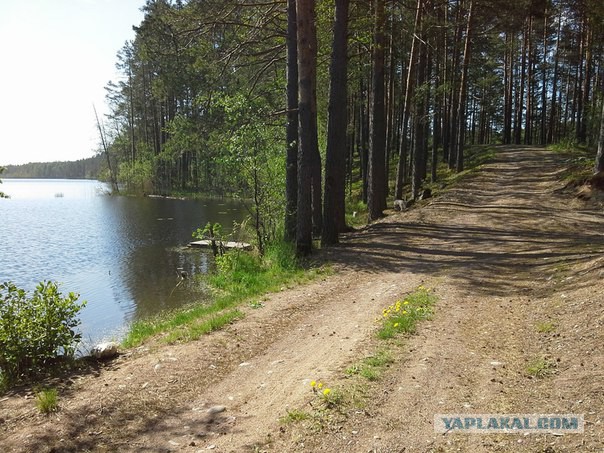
294	415
47	400
578	159
403	316
474	158
372	367
356	211
540	367
546	327
240	276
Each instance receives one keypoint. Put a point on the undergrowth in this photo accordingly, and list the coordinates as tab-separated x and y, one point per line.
239	277
578	160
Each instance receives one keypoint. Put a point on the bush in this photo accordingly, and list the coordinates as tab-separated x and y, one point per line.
36	329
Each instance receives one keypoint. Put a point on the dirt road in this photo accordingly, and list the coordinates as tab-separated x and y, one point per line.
516	268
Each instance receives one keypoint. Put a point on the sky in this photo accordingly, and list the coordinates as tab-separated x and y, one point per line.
56	57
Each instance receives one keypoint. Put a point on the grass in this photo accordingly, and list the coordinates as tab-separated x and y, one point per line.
47	400
579	162
540	367
403	316
400	317
474	158
294	415
546	327
240	277
372	367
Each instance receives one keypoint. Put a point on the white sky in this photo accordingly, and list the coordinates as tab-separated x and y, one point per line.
56	57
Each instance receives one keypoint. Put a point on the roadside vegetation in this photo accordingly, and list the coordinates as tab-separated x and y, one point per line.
578	159
331	404
38	331
240	277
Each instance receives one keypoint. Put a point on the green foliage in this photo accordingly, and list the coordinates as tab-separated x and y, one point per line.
243	275
209	231
47	400
356	212
36	329
213	233
137	175
254	152
403	316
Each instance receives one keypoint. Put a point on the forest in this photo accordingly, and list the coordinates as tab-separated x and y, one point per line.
90	168
298	104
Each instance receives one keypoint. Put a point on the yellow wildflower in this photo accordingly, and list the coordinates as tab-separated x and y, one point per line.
326	392
313	383
320	385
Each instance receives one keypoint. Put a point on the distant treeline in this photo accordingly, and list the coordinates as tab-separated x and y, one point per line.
90	168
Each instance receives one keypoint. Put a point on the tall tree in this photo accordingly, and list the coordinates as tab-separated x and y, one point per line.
376	199
600	155
335	160
463	89
420	111
307	113
291	172
406	105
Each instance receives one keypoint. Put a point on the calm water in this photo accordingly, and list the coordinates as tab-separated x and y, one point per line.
120	254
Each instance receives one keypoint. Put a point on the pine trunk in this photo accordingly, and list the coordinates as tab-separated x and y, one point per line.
376	195
335	160
308	146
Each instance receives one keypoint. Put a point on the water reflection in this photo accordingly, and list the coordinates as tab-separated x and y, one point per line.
120	253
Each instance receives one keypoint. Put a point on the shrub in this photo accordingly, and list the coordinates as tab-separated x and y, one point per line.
35	329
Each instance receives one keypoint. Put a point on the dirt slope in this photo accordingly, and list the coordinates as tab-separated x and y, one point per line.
507	258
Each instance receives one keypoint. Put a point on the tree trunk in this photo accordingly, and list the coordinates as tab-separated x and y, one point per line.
544	82
552	110
528	128
334	204
520	95
454	91
410	82
308	146
376	199
508	84
291	164
419	124
586	86
600	155
461	131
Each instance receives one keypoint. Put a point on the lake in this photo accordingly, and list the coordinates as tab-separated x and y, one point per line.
120	253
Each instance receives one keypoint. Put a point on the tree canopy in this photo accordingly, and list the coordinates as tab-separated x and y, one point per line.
202	105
